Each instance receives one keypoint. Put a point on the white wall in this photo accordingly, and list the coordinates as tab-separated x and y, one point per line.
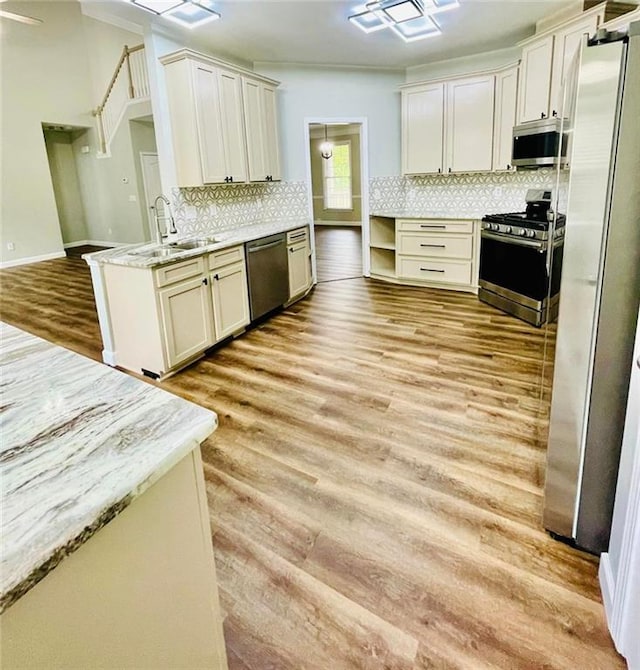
45	77
331	92
55	72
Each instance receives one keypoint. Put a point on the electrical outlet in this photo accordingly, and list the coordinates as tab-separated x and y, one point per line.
11	246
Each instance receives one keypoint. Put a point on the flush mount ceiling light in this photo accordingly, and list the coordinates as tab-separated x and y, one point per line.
409	19
189	13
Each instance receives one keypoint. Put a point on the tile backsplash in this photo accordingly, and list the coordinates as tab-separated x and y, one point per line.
214	208
209	209
472	194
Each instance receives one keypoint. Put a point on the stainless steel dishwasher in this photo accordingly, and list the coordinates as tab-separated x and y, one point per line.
268	274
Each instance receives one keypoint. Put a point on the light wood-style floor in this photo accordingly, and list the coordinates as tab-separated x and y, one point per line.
375	482
338	252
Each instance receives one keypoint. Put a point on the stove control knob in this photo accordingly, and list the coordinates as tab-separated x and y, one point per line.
508	229
522	232
531	233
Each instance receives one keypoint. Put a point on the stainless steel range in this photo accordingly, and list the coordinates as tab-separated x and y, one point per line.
515	258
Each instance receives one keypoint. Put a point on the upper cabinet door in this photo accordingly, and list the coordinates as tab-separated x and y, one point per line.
470	124
535	84
567	43
256	143
262	131
423	129
230	87
272	141
210	125
505	118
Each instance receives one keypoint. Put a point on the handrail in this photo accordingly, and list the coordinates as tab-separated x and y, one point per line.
126	52
137	86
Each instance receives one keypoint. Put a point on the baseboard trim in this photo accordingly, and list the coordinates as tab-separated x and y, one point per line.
95	243
32	259
320	222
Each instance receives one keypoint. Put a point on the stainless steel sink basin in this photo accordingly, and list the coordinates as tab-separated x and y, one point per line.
195	243
163	252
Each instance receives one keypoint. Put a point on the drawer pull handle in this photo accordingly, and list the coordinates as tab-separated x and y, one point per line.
435	246
298	236
431	225
430	270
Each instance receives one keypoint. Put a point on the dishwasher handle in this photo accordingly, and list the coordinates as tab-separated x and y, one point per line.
262	247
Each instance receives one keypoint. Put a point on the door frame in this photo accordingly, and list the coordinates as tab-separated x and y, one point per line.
364	179
150	221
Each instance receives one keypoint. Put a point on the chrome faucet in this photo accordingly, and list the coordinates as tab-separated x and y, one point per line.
172	224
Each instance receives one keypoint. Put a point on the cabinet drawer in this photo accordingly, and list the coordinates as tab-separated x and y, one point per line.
219	259
298	235
445	246
436	226
435	270
169	274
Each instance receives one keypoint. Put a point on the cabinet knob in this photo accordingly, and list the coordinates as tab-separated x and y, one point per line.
439	170
555	113
205	281
226	179
508	166
543	115
216	277
231	179
449	170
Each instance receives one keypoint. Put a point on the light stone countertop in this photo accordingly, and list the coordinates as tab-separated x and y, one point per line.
80	442
414	214
126	255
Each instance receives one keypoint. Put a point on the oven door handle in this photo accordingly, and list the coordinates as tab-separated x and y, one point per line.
517	241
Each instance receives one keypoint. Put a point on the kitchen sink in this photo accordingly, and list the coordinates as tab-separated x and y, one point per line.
163	252
195	243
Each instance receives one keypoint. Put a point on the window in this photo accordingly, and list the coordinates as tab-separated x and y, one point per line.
336	174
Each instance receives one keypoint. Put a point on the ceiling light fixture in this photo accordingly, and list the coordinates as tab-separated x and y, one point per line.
189	13
326	148
411	20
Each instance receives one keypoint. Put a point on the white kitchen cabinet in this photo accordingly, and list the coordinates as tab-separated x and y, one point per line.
504	118
423	124
469	124
186	319
299	261
218	135
262	130
447	126
438	253
535	84
230	296
566	45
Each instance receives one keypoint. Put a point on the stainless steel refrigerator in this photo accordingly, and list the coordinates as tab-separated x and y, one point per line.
599	294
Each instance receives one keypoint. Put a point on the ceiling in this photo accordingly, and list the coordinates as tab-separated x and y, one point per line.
318	32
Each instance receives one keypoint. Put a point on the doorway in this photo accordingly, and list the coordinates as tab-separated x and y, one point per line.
338	196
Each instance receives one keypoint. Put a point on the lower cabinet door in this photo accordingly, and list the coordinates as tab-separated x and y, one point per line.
230	300
186	316
299	273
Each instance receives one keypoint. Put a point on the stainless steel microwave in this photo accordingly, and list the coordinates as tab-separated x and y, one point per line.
539	144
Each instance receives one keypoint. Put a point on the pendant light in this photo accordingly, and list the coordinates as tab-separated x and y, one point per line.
326	148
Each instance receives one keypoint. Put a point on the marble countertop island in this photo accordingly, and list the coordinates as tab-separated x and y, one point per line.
80	442
132	255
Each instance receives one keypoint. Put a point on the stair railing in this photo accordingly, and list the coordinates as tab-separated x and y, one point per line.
130	81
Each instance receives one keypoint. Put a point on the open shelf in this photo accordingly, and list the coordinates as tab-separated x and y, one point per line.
383	232
383	262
